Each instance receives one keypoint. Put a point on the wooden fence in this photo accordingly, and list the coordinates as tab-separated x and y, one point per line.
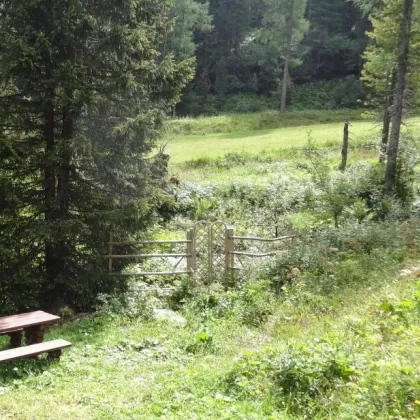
209	250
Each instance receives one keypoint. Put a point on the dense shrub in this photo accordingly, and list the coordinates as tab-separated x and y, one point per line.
296	377
334	94
250	304
345	256
195	105
248	103
136	302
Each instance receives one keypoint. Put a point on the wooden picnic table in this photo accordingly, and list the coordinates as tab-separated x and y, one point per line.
31	323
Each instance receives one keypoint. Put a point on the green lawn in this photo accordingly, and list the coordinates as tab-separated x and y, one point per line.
184	147
121	369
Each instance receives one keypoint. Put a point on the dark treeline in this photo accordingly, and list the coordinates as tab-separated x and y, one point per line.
240	56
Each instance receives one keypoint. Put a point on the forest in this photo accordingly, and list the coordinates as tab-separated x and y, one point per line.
214	206
241	49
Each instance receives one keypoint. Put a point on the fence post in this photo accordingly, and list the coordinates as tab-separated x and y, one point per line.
110	250
229	257
345	150
192	258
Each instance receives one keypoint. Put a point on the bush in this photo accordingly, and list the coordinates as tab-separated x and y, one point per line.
248	103
348	93
345	256
254	304
136	302
333	94
296	377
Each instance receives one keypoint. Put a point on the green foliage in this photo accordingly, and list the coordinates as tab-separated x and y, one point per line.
191	19
135	302
66	312
240	61
407	177
84	99
203	208
251	304
255	303
342	343
381	55
344	93
243	122
335	40
284	26
201	342
358	192
342	257
296	377
344	375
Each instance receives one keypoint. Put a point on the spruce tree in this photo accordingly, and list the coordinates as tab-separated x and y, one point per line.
84	92
284	27
191	18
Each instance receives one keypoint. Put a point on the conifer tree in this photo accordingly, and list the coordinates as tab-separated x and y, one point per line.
84	92
284	27
190	18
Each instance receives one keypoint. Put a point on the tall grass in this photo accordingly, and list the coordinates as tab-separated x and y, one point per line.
259	121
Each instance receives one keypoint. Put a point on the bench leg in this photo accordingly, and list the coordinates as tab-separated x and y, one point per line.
54	355
15	339
34	335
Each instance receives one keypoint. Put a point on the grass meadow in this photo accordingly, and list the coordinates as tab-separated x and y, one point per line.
338	340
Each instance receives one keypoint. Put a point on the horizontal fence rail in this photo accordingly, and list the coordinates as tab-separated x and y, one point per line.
188	254
143	256
257	239
253	254
149	242
156	273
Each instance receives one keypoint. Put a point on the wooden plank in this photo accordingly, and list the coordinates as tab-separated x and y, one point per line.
22	321
110	251
157	273
229	256
149	242
33	350
192	253
14	331
253	254
143	256
253	238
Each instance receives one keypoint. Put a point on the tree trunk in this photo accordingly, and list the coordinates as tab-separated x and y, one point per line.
287	55
65	157
62	252
345	149
50	183
387	120
404	47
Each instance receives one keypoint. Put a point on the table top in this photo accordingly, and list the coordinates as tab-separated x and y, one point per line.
30	319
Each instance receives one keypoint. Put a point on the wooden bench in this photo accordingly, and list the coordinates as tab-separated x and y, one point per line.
32	326
53	347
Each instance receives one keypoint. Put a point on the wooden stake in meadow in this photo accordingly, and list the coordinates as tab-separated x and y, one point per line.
345	149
